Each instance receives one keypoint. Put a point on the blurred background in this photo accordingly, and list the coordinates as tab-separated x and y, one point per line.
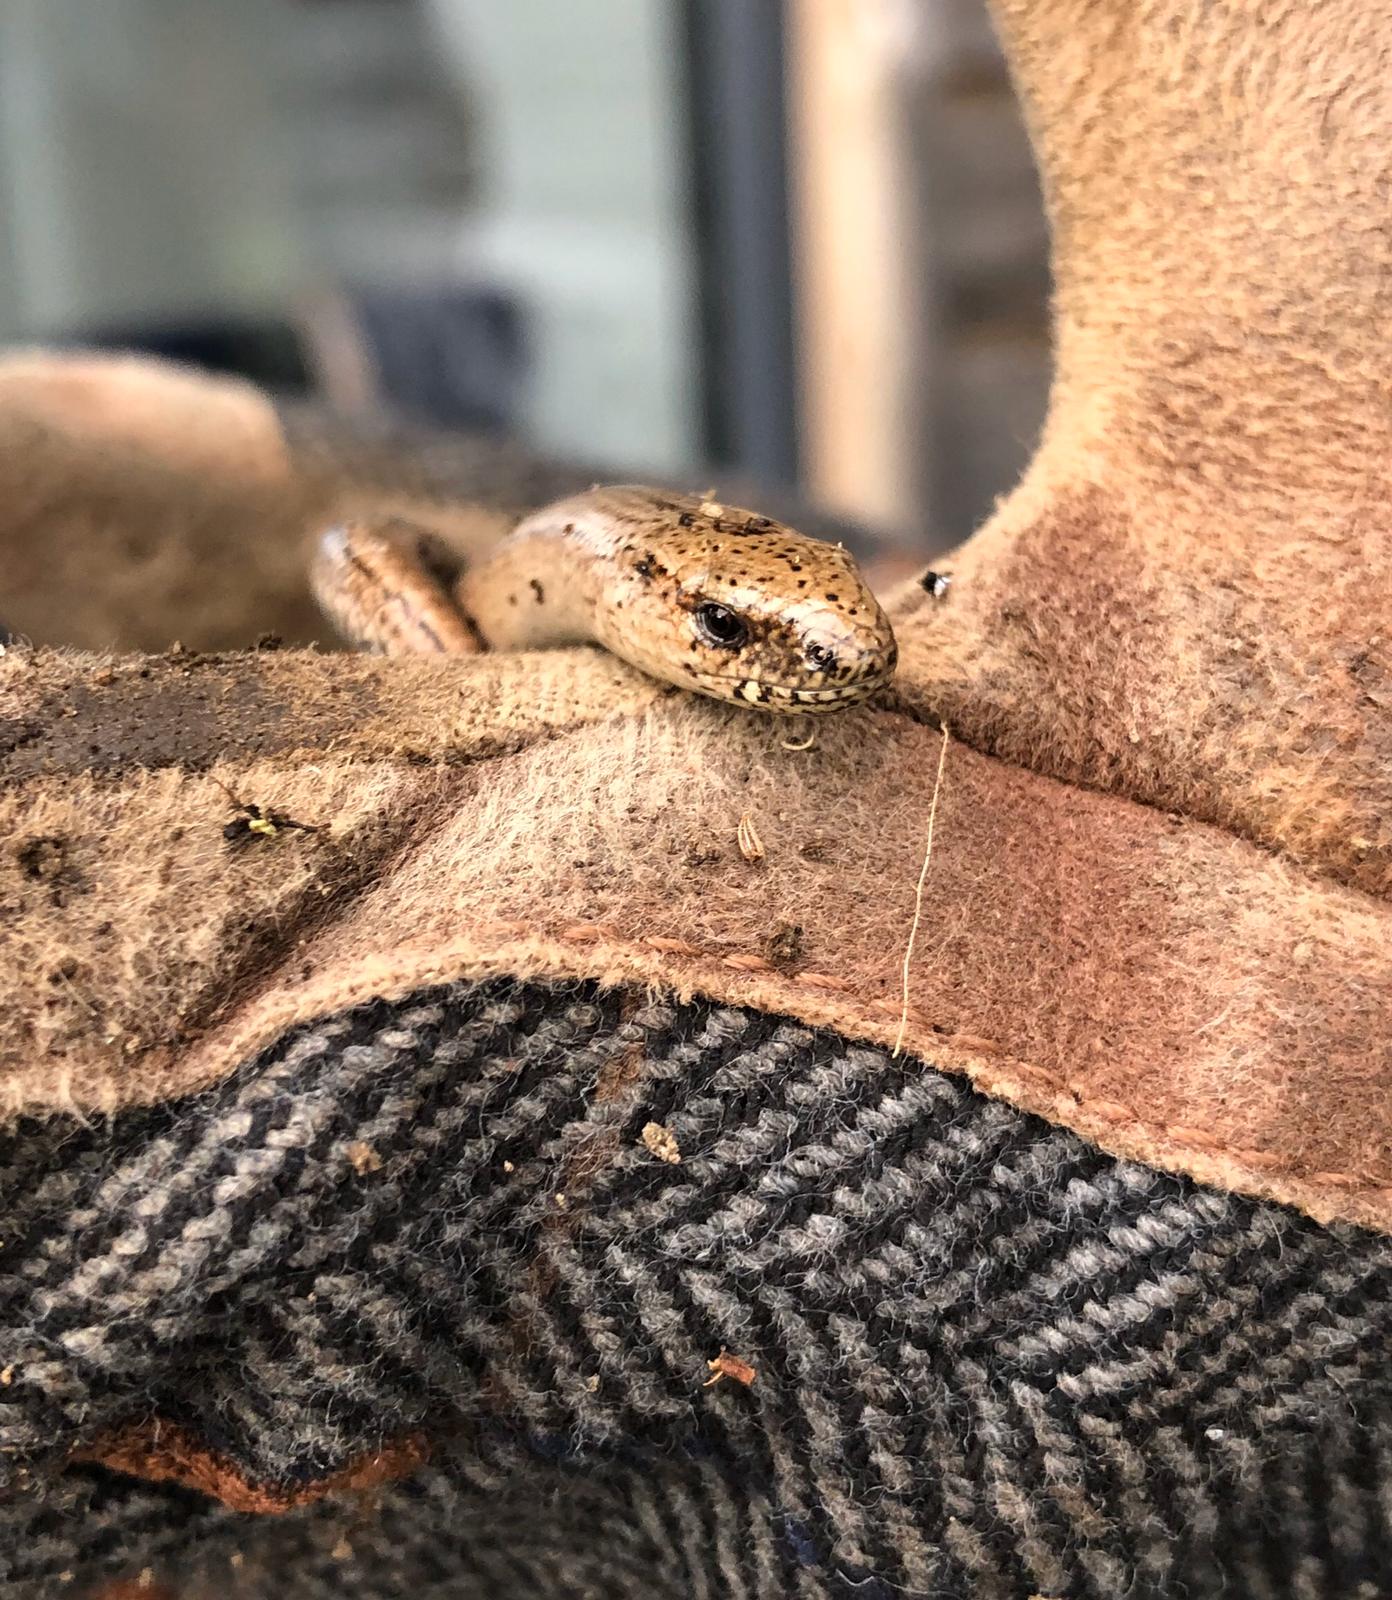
800	240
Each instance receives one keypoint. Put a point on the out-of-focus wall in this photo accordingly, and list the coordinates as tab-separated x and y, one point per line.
922	263
583	209
383	138
448	163
981	245
141	172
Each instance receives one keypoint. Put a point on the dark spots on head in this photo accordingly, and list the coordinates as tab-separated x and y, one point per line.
833	597
795	565
802	583
512	599
538	591
570	527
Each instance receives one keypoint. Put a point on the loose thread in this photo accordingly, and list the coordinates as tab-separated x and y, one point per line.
918	893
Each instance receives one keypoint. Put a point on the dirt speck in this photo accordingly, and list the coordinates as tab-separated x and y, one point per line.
659	1140
363	1158
782	945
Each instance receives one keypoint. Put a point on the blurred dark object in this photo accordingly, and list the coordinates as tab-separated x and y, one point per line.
736	113
453	356
268	353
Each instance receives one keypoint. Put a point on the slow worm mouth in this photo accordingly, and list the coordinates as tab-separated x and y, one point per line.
789	697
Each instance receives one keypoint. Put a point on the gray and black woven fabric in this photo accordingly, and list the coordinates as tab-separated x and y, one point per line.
991	1361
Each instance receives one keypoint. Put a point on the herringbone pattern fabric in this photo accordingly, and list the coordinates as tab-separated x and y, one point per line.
991	1360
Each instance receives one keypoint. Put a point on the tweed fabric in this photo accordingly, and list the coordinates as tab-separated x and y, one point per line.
991	1360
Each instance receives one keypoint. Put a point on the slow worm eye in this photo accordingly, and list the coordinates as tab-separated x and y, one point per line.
719	625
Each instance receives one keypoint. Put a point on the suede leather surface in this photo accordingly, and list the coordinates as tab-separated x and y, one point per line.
1187	600
1164	988
1157	910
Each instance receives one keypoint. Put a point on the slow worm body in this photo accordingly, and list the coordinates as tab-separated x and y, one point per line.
712	598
